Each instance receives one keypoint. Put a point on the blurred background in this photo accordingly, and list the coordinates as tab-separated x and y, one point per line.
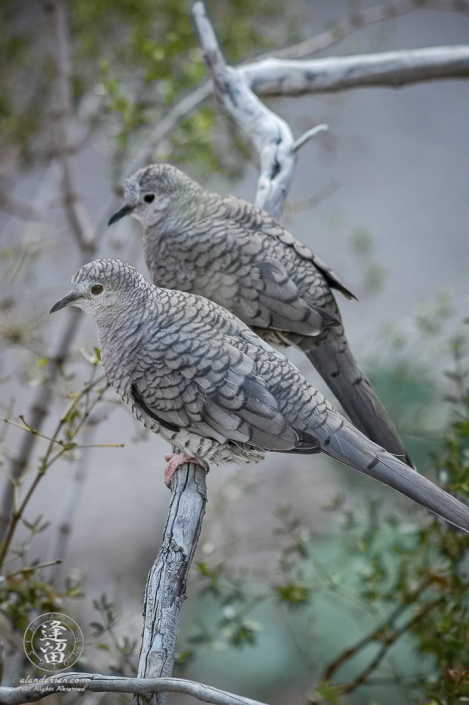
296	560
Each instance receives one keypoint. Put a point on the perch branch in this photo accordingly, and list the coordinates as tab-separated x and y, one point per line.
356	20
271	136
96	683
166	585
391	69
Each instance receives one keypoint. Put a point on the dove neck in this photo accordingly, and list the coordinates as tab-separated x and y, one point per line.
127	311
184	207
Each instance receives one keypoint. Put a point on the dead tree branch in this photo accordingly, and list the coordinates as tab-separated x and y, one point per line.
391	69
96	683
276	77
271	136
166	585
236	89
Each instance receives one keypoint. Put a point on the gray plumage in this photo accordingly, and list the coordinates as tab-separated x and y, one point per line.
197	375
237	255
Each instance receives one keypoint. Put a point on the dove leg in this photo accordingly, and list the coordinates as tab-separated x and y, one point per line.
174	460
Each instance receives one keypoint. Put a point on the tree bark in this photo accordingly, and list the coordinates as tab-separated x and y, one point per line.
166	584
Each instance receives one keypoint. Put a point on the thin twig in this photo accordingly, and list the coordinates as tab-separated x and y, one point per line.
363	18
32	568
308	136
374	635
166	125
74	496
37	415
50	459
388	640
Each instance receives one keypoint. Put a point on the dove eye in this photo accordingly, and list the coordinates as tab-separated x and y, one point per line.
149	198
96	289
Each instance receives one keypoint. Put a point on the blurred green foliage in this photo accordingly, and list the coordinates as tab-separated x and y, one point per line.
373	273
130	61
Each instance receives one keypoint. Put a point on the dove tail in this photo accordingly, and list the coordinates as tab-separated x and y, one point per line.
336	365
354	449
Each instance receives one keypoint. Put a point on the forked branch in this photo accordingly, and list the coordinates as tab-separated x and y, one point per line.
271	135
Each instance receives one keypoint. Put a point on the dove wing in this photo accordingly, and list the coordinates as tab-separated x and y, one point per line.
213	389
253	219
269	298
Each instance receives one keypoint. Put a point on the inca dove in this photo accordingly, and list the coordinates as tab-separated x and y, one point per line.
194	373
237	255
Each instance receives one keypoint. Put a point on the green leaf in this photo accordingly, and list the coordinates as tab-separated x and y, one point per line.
294	592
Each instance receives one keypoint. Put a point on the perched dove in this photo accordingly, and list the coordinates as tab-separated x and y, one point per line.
237	255
197	375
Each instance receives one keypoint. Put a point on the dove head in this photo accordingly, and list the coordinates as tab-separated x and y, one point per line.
104	288
153	192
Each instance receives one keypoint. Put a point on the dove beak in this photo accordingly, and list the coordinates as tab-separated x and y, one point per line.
66	301
125	210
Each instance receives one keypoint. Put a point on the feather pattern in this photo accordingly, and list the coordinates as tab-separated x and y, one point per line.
239	256
197	375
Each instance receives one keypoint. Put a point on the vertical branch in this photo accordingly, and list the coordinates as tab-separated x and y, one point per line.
166	585
75	211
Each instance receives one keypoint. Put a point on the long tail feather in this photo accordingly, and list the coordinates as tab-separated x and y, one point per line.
342	441
337	367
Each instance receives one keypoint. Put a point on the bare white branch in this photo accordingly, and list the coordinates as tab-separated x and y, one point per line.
270	135
272	138
166	585
97	683
391	69
309	135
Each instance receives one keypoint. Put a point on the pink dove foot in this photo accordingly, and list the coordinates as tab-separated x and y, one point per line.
174	460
